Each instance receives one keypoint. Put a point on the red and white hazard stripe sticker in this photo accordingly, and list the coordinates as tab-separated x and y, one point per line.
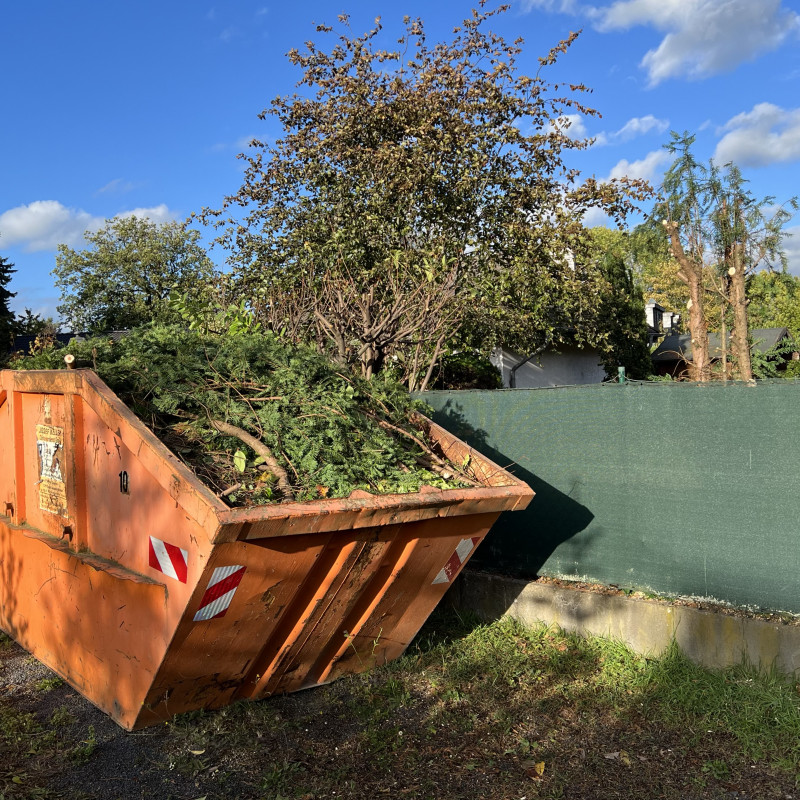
169	559
454	563
219	593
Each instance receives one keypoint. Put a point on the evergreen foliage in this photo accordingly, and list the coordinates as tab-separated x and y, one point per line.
7	327
467	369
719	235
777	361
774	301
330	432
620	307
30	324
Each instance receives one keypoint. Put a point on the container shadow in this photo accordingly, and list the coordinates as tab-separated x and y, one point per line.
520	542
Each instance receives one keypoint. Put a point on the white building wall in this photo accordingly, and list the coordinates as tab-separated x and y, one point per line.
566	366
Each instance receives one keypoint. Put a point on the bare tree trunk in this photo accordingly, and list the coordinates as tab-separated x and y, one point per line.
691	274
432	363
740	338
723	335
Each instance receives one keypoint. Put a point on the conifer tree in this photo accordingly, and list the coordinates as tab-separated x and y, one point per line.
7	324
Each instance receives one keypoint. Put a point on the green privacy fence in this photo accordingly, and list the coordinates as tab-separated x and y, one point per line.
681	489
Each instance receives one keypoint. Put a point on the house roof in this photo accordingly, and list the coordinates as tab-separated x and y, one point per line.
22	343
678	347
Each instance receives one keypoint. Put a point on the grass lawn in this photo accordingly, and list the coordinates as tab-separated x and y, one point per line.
472	711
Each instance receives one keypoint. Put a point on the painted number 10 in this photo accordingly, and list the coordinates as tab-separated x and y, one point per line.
123	482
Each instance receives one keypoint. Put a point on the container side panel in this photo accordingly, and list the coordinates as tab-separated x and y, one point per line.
354	637
103	635
230	624
435	554
301	614
349	583
132	519
275	615
8	503
174	477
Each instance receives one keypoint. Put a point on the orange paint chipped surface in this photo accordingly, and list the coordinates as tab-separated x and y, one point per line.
129	578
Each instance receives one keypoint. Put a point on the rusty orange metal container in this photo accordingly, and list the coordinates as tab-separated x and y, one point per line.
128	577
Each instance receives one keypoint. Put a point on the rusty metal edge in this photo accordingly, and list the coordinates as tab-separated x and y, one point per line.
367	510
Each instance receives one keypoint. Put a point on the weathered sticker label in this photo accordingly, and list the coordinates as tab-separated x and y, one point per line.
52	488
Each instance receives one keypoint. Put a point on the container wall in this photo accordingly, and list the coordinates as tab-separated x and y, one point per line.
129	578
97	560
285	613
104	634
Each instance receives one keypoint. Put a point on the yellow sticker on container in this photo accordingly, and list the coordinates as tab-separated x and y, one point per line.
52	488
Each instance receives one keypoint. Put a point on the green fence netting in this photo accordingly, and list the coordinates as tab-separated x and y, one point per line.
680	489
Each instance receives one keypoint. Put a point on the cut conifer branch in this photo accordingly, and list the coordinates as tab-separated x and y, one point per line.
435	463
261	449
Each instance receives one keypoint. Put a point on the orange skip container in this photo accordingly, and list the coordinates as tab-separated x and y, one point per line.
128	577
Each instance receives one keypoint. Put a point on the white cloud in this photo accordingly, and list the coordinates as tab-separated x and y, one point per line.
241	145
703	37
158	214
596	218
636	126
766	135
117	186
44	224
648	168
571	125
639	126
791	244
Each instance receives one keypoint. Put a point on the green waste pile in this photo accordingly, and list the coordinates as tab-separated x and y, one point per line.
263	421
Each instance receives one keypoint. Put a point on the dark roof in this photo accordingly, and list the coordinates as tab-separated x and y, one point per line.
678	347
22	344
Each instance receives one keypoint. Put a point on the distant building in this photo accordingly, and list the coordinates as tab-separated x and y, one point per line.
660	322
558	365
674	355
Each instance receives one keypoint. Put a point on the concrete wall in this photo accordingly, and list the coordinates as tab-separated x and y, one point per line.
713	639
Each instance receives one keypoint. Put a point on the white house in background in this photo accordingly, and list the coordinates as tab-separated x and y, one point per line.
561	365
660	322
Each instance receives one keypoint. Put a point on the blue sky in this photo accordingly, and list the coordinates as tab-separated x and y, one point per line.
116	108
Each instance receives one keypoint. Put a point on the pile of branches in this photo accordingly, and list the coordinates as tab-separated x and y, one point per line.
263	421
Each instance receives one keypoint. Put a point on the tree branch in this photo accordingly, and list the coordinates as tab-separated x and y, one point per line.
261	449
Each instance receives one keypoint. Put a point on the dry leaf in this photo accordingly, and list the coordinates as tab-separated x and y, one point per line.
533	769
